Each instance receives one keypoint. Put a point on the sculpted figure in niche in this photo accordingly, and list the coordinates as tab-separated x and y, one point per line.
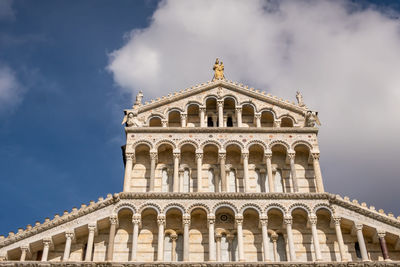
218	70
299	98
312	119
131	120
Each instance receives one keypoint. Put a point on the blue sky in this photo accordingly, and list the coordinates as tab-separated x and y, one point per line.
60	130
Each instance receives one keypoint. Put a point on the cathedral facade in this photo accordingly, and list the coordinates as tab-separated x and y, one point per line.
214	174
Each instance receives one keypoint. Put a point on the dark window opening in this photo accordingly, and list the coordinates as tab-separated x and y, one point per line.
39	255
84	252
229	122
358	251
210	122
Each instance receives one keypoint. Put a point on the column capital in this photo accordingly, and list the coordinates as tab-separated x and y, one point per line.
245	155
336	219
315	156
177	155
113	219
263	220
274	238
153	155
183	115
381	233
92	227
312	219
136	218
238	108
202	108
161	219
186	219
164	123
287	219
358	226
129	156
47	241
211	218
291	154
239	219
220	102
257	115
199	155
174	237
221	155
69	234
25	247
268	155
277	123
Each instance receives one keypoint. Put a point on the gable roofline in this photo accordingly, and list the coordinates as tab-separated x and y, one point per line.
234	86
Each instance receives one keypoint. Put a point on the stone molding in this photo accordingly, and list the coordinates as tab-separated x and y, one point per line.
311	130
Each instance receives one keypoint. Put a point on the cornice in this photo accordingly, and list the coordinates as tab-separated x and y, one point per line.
234	86
266	130
196	264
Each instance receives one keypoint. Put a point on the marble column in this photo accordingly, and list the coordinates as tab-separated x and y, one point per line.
69	235
199	158
257	116
181	179
339	238
288	222
382	243
317	172
274	239
89	247
136	220
24	251
211	240
361	242
128	170
264	230
160	246
292	156
222	157
263	180
153	159
239	229
46	248
202	116
186	247
239	116
177	157
317	249
173	252
220	104
245	156
271	184
111	237
218	241
183	119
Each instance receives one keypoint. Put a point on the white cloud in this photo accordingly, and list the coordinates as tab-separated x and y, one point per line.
6	11
345	60
10	89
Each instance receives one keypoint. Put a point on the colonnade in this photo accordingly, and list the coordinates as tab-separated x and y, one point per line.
214	240
177	178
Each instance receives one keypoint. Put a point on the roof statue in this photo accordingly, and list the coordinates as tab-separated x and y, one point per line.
218	70
300	99
139	98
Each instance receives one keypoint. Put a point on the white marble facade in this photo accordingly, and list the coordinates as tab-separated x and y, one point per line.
218	172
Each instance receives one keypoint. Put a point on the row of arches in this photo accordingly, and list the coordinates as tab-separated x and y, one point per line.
220	113
231	170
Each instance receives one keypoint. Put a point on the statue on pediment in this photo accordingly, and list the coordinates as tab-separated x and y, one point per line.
300	99
139	98
312	119
218	70
131	120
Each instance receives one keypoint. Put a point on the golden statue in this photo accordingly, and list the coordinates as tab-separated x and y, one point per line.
218	70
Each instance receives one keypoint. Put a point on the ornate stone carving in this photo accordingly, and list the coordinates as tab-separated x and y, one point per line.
161	219
312	219
287	219
113	219
218	70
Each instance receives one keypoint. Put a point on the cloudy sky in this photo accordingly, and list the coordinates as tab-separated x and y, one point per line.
68	68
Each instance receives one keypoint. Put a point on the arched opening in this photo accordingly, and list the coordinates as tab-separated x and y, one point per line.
210	162
193	115
198	246
123	235
148	236
267	119
165	167
229	111
302	235
277	244
173	250
248	116
252	237
304	171
280	170
286	122
140	180
234	178
211	112
257	171
155	122
225	227
325	234
174	119
188	176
